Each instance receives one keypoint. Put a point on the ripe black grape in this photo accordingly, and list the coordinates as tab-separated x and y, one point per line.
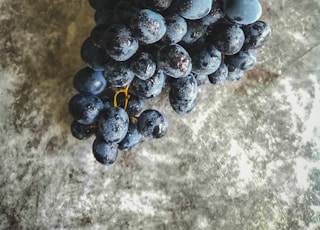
89	81
174	60
113	124
118	74
85	108
132	137
243	11
94	56
148	26
143	66
183	94
194	9
120	42
220	75
227	38
152	124
148	88
105	152
257	35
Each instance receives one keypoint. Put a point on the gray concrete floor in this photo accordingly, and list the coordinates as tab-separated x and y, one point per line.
246	158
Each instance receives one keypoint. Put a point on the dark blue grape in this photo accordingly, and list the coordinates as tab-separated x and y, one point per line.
85	108
183	94
120	43
113	124
107	100
227	38
185	88
257	35
81	131
220	75
176	29
148	26
97	35
118	74
243	11
105	152
181	106
148	88
195	30
89	81
132	137
243	60
152	124
174	60
205	58
95	57
194	9
135	104
234	74
216	13
143	66
201	79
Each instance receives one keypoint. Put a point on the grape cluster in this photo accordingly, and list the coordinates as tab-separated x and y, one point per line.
139	47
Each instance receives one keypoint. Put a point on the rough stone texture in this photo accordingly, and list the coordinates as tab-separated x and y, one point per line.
246	158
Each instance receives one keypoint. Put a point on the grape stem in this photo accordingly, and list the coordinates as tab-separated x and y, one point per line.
126	94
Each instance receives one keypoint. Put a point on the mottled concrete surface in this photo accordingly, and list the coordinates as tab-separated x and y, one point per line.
246	158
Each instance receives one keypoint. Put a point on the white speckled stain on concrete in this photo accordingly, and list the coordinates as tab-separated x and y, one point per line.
246	158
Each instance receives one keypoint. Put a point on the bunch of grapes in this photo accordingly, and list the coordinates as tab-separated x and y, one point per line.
139	47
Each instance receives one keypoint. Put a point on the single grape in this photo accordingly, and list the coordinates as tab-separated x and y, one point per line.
118	74
243	60
227	38
135	104
243	11
201	79
174	60
257	35
185	88
81	131
105	152
216	13
205	58
195	30
89	81
148	26
97	35
85	108
234	74
194	9
132	137
176	29
120	43
183	94
143	65
95	57
181	106
107	99
148	88
112	124
152	124
220	75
